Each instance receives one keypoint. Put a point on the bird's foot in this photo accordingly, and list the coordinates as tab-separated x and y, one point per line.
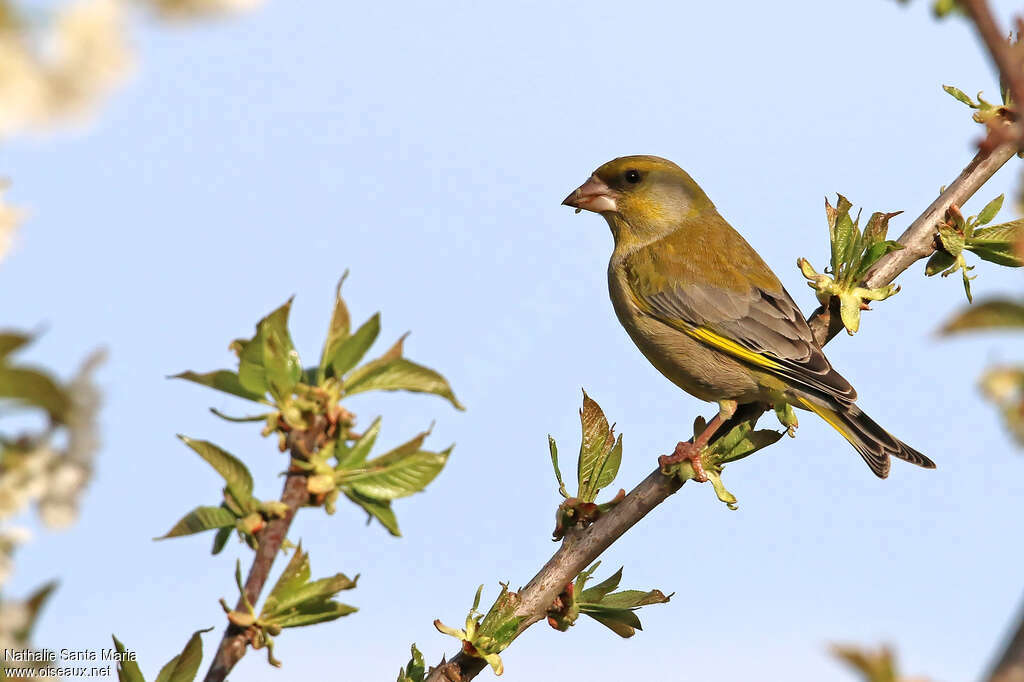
686	451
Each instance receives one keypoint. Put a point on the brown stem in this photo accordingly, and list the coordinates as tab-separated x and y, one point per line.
1009	59
233	645
295	494
582	546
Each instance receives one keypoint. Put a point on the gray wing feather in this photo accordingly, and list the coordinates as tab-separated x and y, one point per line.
767	323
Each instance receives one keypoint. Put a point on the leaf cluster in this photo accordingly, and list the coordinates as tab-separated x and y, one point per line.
604	602
307	401
486	636
853	254
996	243
294	602
596	468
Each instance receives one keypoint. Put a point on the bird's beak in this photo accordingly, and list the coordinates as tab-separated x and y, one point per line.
593	195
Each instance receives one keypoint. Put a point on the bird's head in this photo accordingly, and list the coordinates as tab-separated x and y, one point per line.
641	197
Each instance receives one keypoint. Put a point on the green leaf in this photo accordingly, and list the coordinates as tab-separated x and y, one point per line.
222	380
1000	254
854	250
400	452
960	95
349	352
372	367
184	666
553	448
313	612
989	315
401	374
990	210
201	519
33	605
241	420
584	577
415	669
742	441
998	242
292	578
231	469
376	509
356	455
967	283
12	341
608	467
841	231
220	539
631	599
952	240
622	622
600	454
35	389
595	594
295	601
127	671
337	332
874	252
388	478
877	227
269	361
939	261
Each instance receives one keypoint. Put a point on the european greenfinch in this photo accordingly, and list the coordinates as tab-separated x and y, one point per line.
710	315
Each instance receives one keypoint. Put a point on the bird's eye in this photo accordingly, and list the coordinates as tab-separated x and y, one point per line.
633	176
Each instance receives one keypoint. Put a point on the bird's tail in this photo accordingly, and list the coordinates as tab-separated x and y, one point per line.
874	443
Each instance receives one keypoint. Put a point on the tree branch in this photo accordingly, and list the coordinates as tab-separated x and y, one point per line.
581	547
295	494
1009	59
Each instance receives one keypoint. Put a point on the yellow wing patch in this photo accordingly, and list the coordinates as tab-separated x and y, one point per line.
731	347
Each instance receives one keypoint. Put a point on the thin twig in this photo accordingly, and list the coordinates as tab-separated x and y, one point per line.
294	495
233	644
582	547
1009	59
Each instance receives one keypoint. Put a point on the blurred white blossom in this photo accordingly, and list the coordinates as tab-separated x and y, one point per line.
9	216
10	538
61	67
61	70
35	470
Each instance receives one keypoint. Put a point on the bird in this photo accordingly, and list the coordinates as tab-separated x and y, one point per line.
706	310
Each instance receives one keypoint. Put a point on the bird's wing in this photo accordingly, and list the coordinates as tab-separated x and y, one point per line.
753	319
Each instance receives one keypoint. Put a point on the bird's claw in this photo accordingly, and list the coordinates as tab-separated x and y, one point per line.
685	451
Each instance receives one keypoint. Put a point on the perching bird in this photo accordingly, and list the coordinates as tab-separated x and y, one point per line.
709	314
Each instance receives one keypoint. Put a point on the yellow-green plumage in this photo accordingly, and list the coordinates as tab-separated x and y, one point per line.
707	311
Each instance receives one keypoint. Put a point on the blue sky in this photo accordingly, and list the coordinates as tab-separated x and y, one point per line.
426	148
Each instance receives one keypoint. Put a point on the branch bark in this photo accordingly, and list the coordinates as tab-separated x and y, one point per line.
581	547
